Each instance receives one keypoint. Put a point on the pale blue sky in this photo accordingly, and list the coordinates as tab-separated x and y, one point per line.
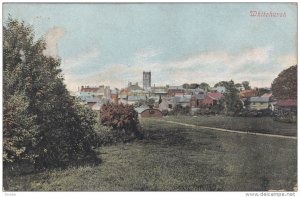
112	44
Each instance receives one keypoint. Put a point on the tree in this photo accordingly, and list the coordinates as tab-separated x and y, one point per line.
222	84
150	102
43	124
160	99
232	101
194	85
238	86
204	86
285	85
186	86
246	85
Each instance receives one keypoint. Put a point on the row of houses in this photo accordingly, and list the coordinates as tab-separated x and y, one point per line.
167	97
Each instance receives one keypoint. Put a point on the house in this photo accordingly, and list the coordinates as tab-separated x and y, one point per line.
131	90
115	95
132	87
286	109
248	93
133	99
269	95
159	91
212	98
97	107
175	91
259	103
92	101
96	91
123	93
87	91
145	112
182	100
194	91
166	104
286	105
197	100
220	89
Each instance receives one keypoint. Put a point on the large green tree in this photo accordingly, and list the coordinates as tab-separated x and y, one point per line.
204	86
246	85
42	123
222	84
233	103
285	85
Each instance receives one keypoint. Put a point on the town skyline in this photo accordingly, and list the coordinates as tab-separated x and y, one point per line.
112	44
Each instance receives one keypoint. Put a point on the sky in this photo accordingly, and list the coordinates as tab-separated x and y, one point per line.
113	43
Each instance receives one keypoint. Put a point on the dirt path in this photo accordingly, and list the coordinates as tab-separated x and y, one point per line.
230	131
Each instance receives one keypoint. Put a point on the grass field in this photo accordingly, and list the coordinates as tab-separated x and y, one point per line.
250	124
178	158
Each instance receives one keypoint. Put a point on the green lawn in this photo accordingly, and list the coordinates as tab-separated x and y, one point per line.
250	124
178	158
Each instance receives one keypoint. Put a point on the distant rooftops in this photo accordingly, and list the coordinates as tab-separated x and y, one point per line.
260	99
176	88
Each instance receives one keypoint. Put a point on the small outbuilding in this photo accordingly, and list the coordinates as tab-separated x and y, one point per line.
148	112
286	110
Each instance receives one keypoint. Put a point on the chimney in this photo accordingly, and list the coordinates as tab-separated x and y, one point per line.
137	83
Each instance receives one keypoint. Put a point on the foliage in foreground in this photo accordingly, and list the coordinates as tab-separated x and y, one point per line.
43	126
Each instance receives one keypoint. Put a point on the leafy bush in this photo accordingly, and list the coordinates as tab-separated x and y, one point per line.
121	118
180	110
106	135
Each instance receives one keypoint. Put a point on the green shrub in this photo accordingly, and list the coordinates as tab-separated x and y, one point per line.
180	110
121	118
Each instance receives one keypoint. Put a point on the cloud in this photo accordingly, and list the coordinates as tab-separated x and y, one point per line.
147	52
71	64
288	60
81	58
255	65
52	37
113	76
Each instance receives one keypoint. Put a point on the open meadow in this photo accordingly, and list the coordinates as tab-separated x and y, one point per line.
249	124
177	158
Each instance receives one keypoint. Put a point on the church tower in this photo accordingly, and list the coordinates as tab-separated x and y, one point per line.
146	80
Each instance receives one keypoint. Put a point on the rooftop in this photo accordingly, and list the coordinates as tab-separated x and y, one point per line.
259	99
286	103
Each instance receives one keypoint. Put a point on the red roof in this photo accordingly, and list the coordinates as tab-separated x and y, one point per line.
215	95
267	95
248	93
286	103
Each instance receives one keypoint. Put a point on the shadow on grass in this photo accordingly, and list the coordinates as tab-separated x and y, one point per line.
166	138
27	169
